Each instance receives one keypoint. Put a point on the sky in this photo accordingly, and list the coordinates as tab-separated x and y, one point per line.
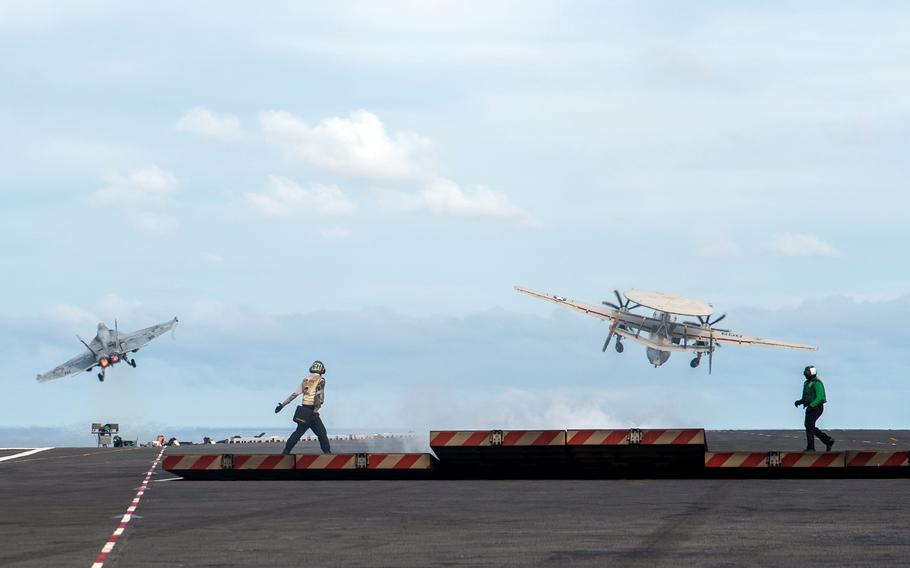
365	183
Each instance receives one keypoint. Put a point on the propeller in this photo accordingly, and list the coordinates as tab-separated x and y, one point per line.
706	321
623	305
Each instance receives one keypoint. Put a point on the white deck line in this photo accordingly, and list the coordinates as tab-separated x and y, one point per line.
24	454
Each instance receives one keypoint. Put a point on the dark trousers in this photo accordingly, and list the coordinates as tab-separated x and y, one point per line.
307	419
812	431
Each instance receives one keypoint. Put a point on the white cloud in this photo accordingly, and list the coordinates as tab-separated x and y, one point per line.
356	146
446	197
150	185
203	122
799	245
143	194
284	197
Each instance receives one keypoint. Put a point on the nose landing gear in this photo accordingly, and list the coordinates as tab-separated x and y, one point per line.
694	363
619	346
101	377
131	363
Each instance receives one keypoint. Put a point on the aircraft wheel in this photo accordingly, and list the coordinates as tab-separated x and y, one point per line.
100	377
695	362
619	347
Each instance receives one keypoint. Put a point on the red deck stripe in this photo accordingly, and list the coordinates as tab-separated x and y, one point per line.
861	459
651	436
240	460
171	461
685	436
442	438
615	437
513	437
825	460
270	462
202	462
546	437
580	437
476	439
304	461
375	460
754	460
718	460
896	459
338	462
787	460
407	461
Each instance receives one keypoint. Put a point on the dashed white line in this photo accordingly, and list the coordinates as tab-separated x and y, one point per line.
127	517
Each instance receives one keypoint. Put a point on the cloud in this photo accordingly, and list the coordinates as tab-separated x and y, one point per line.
446	197
799	245
144	195
356	146
284	197
203	122
149	185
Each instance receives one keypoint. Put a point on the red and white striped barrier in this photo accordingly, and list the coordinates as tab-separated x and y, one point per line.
736	459
460	438
196	463
534	438
634	436
808	459
682	437
262	462
597	437
878	459
478	438
399	461
330	461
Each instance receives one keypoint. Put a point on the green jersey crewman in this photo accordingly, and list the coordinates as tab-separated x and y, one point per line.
814	400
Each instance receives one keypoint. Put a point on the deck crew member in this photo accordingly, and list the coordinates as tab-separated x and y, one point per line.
312	389
814	400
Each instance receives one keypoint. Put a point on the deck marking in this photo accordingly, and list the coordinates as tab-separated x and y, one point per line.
127	517
24	454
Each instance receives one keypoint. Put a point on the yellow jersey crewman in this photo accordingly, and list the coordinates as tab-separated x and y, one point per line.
307	414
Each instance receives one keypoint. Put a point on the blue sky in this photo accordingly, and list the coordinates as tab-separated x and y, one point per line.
365	183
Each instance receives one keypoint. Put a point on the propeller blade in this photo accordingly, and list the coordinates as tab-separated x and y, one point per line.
701	320
611	304
718	319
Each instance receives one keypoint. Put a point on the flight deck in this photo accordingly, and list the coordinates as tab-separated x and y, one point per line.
61	507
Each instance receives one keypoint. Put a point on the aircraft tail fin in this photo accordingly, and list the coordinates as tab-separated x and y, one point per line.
92	351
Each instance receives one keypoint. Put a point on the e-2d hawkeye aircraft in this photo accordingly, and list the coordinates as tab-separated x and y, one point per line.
664	334
108	348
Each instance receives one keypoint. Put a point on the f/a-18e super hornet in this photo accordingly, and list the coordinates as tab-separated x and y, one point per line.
107	349
663	333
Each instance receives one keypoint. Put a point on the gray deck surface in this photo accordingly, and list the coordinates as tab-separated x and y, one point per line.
60	507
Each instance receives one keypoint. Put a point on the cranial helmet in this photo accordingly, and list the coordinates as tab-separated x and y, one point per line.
317	367
810	372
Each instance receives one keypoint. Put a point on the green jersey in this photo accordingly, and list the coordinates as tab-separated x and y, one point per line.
813	393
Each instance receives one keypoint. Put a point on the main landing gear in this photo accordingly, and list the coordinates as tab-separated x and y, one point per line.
101	376
619	346
131	363
694	363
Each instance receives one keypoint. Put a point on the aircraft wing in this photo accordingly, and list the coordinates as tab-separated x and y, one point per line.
137	339
77	364
603	313
727	338
689	333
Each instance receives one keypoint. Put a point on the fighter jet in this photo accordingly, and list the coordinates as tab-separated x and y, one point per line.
108	348
665	335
